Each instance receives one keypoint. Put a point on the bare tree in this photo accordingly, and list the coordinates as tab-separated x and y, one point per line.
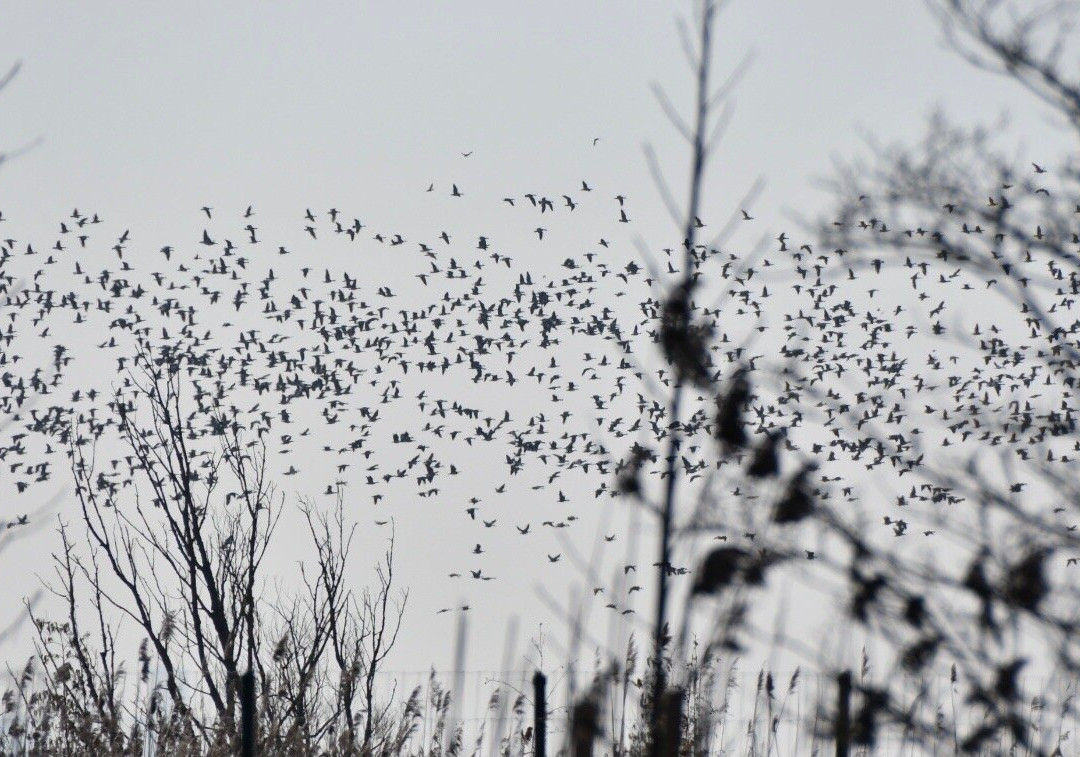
986	249
179	544
1002	600
1030	45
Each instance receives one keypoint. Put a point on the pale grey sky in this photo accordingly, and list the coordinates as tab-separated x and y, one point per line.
151	109
148	111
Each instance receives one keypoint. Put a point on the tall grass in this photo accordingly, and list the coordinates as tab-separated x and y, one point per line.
726	711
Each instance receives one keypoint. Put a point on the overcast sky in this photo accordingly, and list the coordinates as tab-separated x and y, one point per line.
154	110
148	111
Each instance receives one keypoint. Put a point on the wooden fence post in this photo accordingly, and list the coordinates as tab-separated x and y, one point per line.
843	714
671	722
539	715
583	728
247	714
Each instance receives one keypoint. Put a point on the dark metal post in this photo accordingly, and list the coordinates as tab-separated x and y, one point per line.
583	729
843	714
247	714
540	715
671	722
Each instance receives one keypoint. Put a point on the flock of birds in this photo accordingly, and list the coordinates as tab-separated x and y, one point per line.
514	347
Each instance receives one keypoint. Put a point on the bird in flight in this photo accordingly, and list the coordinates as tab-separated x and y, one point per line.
505	327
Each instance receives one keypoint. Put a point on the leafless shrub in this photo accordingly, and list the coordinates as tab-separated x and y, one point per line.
184	559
